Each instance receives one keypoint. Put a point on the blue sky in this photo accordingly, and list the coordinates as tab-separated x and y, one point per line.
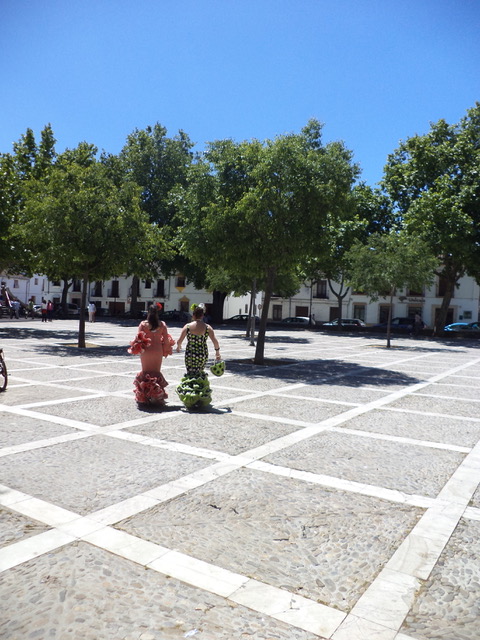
373	71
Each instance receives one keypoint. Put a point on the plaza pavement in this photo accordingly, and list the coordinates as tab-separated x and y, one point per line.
331	494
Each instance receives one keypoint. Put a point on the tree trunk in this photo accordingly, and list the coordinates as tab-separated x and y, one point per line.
66	287
134	296
218	298
81	322
389	321
260	349
447	298
340	296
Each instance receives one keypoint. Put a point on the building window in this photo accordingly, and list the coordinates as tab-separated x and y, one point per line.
114	290
277	312
359	311
320	289
15	284
180	281
97	290
35	281
412	310
56	283
148	284
303	312
160	291
77	285
383	313
415	294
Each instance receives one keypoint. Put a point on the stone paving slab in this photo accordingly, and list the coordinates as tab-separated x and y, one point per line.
455	431
116	470
38	393
438	405
283	532
102	411
319	506
448	606
223	432
283	407
338	392
453	391
15	526
408	468
84	593
21	429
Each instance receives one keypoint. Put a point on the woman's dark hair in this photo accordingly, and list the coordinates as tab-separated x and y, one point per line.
152	316
198	313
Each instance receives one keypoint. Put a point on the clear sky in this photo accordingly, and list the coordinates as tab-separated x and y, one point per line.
373	71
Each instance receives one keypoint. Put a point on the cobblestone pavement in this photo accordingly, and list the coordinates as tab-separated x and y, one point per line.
332	493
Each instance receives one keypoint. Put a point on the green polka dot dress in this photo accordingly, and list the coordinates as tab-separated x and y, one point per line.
196	352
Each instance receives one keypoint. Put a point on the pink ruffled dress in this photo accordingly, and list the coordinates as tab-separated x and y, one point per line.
152	346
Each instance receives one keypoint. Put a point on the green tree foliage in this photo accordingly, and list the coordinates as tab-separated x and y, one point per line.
261	209
434	180
157	164
27	161
77	222
366	211
388	262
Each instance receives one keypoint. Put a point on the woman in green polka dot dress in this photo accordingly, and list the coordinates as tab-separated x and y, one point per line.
196	333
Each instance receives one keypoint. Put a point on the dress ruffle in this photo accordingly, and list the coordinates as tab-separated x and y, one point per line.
150	388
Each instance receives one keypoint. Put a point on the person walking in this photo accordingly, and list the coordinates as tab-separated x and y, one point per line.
418	325
152	343
50	311
91	311
44	310
196	351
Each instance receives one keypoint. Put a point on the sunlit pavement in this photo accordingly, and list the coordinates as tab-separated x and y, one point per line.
332	493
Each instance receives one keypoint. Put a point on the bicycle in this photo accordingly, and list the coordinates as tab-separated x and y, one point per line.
3	372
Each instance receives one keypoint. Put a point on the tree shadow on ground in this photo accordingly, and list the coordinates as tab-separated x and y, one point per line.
316	372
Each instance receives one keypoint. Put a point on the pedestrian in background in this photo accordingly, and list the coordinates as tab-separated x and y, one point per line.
91	312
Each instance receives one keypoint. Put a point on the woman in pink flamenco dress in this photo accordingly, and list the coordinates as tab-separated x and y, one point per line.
152	343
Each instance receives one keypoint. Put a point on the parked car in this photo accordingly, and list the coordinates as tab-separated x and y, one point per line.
346	322
72	310
175	316
299	321
397	323
241	318
463	326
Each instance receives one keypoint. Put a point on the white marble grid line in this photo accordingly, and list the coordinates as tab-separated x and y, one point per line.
169	445
431	414
458	399
401	439
41	444
66	422
48	403
419	552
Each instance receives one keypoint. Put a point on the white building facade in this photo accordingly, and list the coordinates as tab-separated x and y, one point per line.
114	296
23	288
317	299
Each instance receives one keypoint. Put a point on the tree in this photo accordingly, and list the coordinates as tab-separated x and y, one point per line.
388	262
78	223
28	160
434	180
157	164
260	209
366	211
